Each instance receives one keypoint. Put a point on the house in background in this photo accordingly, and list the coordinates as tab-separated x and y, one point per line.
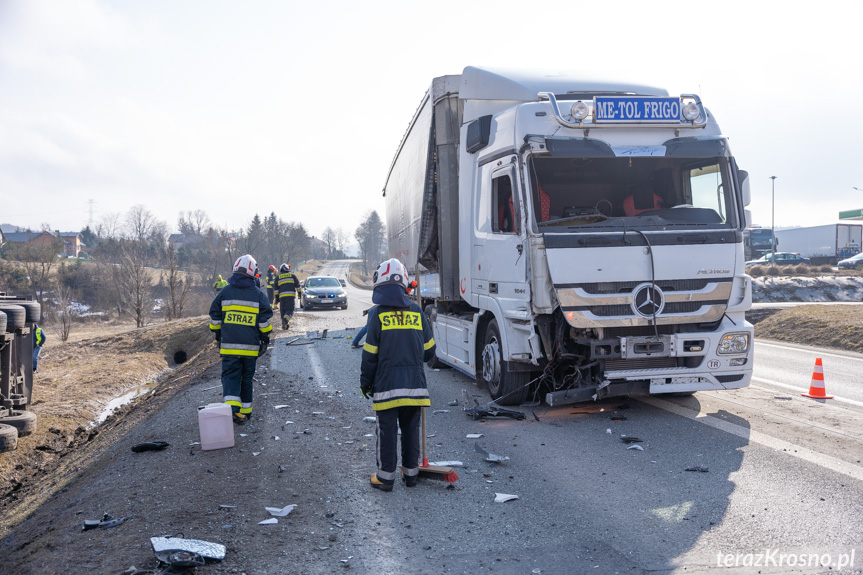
73	244
72	241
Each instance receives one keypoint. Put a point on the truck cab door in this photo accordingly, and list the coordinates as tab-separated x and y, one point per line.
499	270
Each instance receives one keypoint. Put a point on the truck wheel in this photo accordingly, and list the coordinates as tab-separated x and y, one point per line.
33	310
510	387
434	362
16	316
8	438
23	421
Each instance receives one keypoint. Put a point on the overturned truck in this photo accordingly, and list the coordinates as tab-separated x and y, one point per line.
17	316
574	239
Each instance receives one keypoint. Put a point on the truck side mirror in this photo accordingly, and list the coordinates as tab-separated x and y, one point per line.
748	214
744	187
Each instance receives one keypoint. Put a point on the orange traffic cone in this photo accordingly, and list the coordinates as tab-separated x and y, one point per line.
816	388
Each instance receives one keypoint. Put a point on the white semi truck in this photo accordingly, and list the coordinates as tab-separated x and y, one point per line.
823	244
574	239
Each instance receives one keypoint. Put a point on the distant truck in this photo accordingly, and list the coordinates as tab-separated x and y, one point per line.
572	238
757	241
823	244
17	316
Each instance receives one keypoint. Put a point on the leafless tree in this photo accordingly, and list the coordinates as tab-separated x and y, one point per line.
179	283
133	278
38	256
109	226
193	223
66	311
371	234
139	223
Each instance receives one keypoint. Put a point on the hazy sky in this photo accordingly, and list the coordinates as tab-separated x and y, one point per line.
296	108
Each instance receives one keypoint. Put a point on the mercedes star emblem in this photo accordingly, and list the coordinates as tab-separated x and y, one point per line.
647	300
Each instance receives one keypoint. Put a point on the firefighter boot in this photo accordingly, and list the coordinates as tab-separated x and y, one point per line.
381	484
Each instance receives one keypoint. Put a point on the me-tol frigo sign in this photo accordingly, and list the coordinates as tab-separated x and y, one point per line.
634	109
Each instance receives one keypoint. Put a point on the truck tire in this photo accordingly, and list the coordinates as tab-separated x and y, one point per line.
434	362
16	316
23	421
2	322
33	310
8	438
510	387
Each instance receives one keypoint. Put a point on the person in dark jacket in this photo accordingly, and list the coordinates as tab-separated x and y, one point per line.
287	286
398	343
240	318
271	283
38	342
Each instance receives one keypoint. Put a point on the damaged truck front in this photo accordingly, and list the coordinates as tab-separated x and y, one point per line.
574	239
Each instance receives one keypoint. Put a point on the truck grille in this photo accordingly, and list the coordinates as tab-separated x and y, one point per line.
610	304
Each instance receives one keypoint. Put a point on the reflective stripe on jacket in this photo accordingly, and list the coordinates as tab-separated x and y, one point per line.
398	342
243	315
287	285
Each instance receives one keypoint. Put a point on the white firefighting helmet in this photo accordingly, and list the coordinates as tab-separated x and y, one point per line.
246	265
391	271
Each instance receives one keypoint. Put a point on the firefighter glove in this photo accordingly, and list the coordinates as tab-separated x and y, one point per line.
265	342
218	333
367	390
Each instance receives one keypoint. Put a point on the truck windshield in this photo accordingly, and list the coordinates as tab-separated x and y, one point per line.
631	191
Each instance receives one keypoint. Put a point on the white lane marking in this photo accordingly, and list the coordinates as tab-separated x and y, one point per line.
800	389
785	447
813	350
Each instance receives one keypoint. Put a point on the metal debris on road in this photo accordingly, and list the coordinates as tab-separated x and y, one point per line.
490	457
504	497
477	411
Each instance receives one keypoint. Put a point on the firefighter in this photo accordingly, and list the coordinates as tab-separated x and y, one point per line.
271	282
287	286
240	319
219	284
38	342
398	342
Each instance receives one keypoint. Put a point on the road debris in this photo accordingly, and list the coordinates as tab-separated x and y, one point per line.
490	457
636	446
617	417
150	446
697	468
504	497
281	511
106	522
477	411
370	418
473	435
446	463
440	411
270	521
205	549
630	439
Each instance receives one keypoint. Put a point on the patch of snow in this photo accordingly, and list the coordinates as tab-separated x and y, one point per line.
771	289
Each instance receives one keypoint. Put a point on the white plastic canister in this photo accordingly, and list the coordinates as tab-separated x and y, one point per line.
216	426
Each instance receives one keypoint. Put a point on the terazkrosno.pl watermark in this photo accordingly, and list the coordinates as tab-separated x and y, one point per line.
778	558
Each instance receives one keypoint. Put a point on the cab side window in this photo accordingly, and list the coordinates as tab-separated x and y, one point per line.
504	216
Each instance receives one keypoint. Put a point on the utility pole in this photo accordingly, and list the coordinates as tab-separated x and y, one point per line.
773	214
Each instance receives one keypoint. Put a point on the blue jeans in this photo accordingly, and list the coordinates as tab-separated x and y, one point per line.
360	335
36	351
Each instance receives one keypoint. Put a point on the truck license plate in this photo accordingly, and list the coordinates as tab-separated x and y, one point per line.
633	109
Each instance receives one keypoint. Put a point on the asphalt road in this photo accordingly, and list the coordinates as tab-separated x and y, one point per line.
783	477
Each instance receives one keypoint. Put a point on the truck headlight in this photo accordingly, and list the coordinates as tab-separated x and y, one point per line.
690	112
734	343
579	111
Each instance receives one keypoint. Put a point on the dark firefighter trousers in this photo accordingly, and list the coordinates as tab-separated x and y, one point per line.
286	307
237	374
389	421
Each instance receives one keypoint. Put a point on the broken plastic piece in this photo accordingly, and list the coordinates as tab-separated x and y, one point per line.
205	549
630	439
106	522
504	497
473	435
281	511
636	446
490	457
441	411
150	446
697	468
446	464
370	418
270	521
